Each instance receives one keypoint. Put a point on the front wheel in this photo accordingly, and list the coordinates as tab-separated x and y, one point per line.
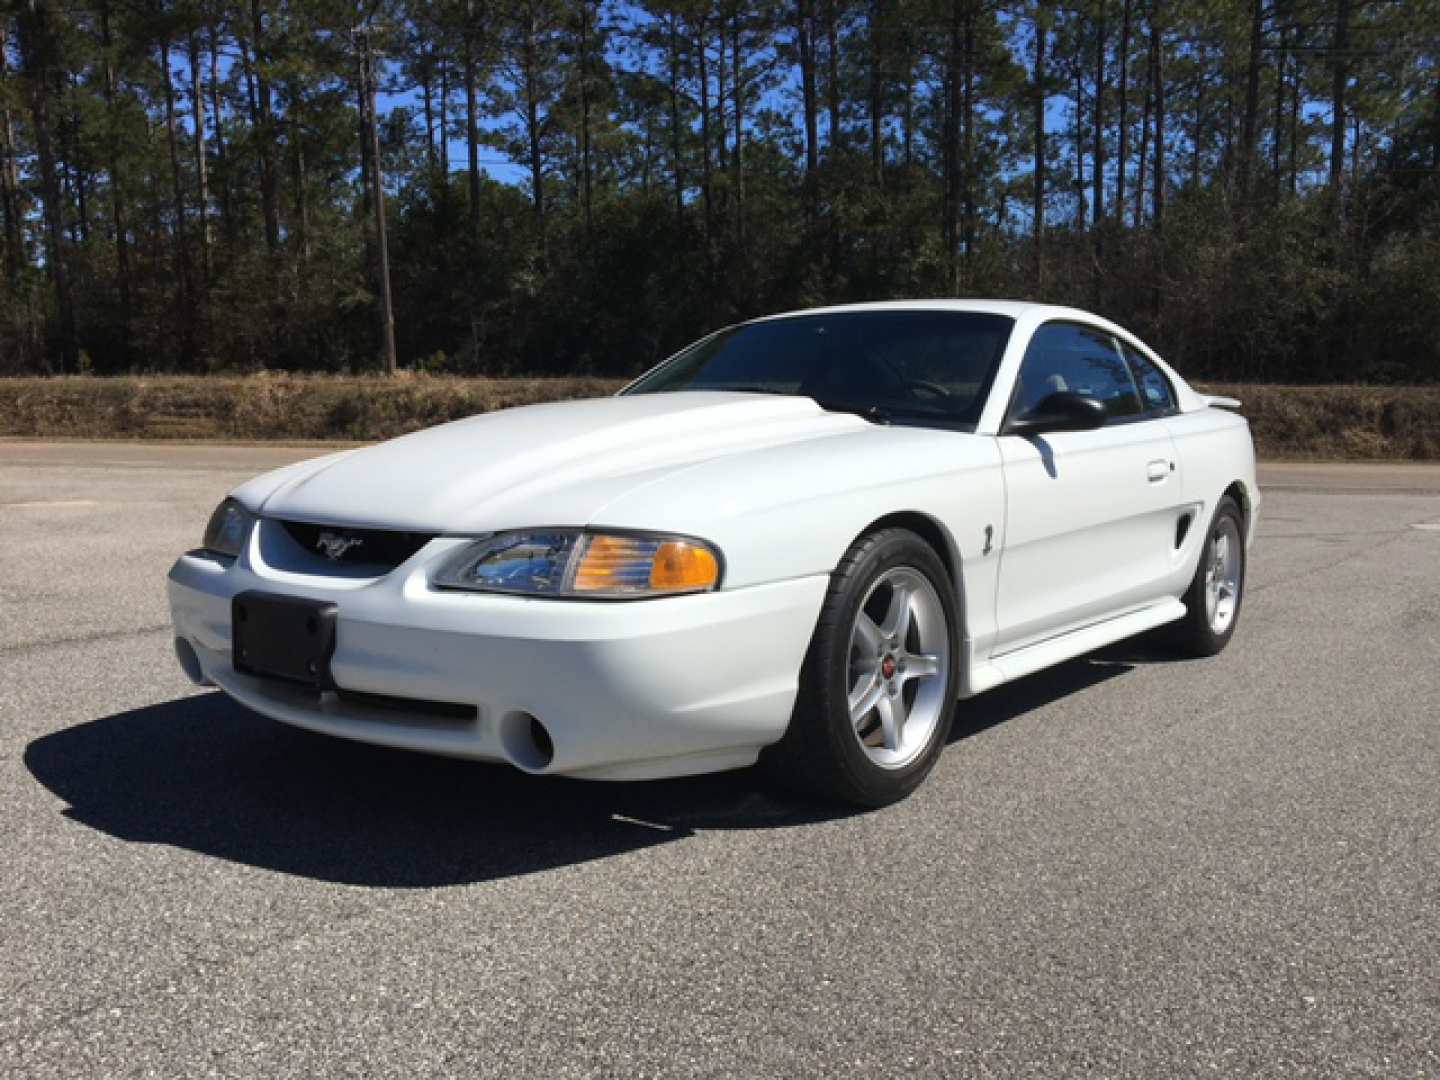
877	691
1213	600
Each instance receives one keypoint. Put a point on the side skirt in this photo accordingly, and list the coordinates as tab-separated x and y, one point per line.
1013	665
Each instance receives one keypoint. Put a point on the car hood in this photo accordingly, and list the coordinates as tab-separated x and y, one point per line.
554	464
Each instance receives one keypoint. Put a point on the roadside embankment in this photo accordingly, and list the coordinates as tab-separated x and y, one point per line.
1340	423
287	408
1325	423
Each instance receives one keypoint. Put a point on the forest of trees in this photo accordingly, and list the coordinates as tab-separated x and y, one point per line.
584	185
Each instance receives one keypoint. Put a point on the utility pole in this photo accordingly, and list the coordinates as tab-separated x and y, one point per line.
367	83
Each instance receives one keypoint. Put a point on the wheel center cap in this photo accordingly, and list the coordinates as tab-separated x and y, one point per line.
887	667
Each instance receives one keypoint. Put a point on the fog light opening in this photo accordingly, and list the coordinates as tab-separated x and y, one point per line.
526	741
541	738
190	663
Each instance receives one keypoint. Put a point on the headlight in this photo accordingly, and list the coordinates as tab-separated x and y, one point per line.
229	525
577	563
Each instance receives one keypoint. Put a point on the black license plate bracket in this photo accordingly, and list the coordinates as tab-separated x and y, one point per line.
284	637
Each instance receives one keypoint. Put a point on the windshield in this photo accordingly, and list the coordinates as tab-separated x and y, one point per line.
933	366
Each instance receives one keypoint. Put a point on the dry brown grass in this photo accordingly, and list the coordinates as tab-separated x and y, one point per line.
1318	423
1341	423
263	407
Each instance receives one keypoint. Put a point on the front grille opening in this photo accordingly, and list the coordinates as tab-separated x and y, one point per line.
356	547
411	707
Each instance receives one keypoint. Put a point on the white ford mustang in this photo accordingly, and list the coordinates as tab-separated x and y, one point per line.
804	537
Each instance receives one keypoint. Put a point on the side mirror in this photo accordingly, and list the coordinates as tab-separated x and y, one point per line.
1061	411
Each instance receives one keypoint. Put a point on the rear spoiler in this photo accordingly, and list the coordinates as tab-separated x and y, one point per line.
1221	402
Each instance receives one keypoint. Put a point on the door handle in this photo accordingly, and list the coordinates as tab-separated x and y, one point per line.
1158	470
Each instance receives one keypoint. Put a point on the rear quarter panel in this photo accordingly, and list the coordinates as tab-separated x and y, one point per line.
1215	451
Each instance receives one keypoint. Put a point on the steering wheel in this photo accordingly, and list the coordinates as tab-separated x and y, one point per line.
927	387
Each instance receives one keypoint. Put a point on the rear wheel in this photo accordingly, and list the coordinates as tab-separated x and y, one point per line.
1213	600
877	692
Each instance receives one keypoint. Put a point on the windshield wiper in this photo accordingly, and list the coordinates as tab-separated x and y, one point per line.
888	414
876	414
741	388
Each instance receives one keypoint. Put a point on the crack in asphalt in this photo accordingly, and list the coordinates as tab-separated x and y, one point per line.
1339	561
1310	489
207	970
72	466
81	639
1322	535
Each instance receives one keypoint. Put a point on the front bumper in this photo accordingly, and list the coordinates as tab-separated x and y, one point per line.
624	690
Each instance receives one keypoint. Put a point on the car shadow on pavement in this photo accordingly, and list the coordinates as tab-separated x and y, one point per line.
979	714
205	774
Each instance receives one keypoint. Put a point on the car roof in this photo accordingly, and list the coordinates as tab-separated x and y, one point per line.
1015	309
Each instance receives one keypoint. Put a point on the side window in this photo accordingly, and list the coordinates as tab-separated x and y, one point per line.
1155	389
1082	360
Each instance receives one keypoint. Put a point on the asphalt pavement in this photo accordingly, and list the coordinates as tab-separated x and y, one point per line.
1122	867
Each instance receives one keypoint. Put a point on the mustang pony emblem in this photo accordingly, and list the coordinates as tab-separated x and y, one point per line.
334	545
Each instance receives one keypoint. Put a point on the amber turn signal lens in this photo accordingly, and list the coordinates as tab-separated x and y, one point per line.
612	564
680	565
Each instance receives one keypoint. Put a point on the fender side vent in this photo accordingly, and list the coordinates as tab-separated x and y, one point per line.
1181	528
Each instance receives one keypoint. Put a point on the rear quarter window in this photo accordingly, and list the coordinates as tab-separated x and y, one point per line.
1156	393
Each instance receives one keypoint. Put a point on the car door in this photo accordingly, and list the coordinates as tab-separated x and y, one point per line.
1090	515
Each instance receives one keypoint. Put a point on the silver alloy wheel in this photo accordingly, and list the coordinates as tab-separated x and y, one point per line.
1222	574
899	667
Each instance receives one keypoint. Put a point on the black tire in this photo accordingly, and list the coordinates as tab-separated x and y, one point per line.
821	753
1195	635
